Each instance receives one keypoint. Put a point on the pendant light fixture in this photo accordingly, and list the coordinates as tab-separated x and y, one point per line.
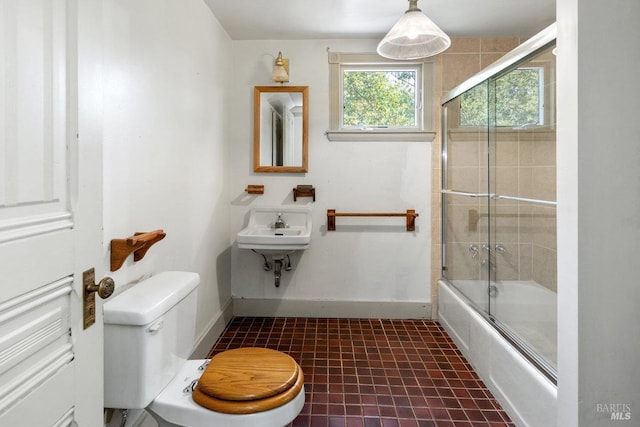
413	36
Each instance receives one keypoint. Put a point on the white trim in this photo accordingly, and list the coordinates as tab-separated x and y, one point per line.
36	225
37	374
67	419
364	135
331	309
336	133
31	322
19	305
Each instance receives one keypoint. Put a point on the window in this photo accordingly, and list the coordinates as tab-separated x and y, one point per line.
373	98
380	98
519	100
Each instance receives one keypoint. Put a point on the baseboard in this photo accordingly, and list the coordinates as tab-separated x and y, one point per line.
305	308
331	309
211	334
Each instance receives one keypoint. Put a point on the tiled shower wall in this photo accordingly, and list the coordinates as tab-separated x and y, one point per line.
527	231
463	59
524	162
525	166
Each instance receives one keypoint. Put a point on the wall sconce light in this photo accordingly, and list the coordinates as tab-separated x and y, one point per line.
280	71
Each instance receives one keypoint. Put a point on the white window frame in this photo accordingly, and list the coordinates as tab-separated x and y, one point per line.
425	131
545	86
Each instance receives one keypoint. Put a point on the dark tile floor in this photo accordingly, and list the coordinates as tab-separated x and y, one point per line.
373	372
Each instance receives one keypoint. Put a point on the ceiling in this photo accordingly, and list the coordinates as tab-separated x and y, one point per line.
348	19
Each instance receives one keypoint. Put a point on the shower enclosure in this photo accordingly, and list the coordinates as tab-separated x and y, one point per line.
498	198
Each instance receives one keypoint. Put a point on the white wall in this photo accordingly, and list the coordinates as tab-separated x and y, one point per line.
165	142
168	165
380	262
598	212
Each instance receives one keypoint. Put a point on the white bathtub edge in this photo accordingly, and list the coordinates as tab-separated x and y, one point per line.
490	354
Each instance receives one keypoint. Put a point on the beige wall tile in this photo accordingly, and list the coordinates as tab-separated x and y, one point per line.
505	224
436	161
506	149
525	182
436	226
463	45
460	263
487	59
508	263
545	268
458	67
525	152
525	223
463	223
526	261
543	152
464	152
498	45
505	180
544	182
436	262
544	227
465	179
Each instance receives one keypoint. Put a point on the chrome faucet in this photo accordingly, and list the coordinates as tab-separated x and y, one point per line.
473	248
279	222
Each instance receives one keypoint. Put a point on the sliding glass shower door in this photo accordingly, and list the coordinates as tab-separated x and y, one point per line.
498	201
465	195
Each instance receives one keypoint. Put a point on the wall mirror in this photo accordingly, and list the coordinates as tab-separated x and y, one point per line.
280	128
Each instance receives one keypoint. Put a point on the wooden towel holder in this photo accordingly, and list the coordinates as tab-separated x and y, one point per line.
254	189
304	191
411	215
139	244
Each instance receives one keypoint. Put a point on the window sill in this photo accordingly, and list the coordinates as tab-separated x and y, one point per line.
380	135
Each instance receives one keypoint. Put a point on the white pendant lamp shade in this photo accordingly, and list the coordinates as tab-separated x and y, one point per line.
413	36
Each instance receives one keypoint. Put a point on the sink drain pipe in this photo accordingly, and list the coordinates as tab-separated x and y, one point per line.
279	262
277	271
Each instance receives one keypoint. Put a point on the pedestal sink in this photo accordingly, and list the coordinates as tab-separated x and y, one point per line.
274	233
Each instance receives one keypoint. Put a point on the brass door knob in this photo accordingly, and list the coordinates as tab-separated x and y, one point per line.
104	288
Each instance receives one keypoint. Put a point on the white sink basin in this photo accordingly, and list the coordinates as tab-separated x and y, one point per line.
262	236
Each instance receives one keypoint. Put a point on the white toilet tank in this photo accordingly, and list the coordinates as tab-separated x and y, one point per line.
149	331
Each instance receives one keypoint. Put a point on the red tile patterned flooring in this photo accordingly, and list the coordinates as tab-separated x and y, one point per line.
374	372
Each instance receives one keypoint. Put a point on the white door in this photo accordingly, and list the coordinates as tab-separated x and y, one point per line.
51	369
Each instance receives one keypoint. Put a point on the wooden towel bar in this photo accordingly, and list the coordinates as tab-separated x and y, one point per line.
411	215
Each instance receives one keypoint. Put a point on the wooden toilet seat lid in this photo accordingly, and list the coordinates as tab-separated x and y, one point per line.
248	380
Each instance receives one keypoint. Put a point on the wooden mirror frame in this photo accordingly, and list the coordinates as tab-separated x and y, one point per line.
257	90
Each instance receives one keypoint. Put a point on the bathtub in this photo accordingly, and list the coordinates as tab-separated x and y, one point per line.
524	307
526	394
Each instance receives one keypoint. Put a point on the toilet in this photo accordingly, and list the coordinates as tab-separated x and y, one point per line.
149	334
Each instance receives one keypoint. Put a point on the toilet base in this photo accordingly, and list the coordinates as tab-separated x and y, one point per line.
175	408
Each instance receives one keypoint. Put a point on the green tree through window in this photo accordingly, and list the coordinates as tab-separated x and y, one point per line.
474	106
379	98
518	100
